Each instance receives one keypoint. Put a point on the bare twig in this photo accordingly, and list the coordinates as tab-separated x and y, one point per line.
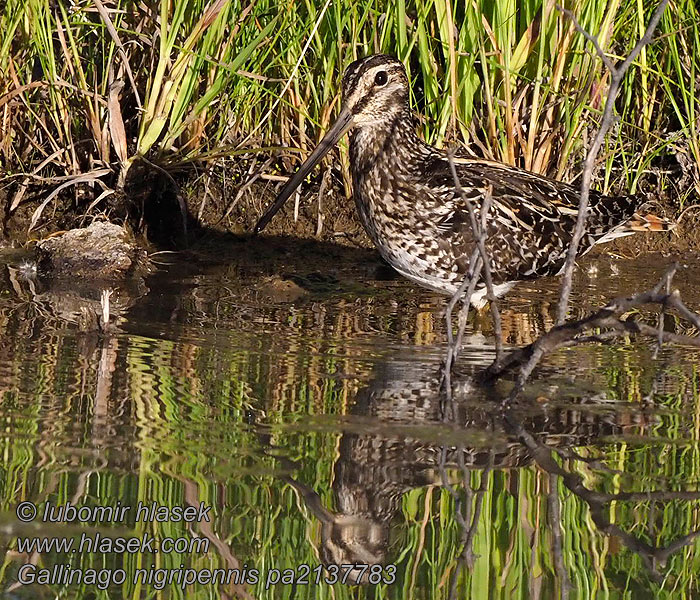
463	293
482	267
598	502
567	334
493	301
609	318
253	175
617	72
479	265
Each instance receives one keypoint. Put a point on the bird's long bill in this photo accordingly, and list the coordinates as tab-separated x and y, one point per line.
343	123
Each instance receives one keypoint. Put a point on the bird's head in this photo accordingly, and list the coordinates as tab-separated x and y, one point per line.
375	90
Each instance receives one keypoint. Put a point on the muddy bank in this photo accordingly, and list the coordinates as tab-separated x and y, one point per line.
165	217
337	221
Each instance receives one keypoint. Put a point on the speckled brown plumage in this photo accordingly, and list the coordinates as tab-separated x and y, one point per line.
406	197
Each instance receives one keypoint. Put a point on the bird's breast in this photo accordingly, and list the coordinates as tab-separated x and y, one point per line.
399	217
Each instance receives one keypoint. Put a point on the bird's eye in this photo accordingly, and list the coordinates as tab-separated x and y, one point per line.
381	78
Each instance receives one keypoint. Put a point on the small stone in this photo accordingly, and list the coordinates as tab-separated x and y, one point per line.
276	289
101	251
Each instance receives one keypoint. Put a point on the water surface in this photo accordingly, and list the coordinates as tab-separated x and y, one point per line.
292	392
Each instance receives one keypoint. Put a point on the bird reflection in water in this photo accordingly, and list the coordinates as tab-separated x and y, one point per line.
398	438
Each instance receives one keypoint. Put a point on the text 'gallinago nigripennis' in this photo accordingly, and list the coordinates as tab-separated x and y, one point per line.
409	206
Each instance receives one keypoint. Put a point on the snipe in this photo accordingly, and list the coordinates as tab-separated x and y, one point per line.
407	201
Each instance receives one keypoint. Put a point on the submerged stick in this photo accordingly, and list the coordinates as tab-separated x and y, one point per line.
608	318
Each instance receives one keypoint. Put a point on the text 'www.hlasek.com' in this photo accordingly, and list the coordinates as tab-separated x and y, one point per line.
145	543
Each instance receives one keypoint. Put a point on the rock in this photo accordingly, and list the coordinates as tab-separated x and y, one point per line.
276	289
102	251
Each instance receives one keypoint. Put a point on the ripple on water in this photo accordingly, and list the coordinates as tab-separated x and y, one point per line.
314	426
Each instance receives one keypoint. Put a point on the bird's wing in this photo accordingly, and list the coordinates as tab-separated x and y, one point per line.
532	218
529	201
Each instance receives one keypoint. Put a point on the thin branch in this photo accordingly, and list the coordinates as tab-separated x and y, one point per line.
608	317
617	72
593	40
493	301
568	334
464	293
479	232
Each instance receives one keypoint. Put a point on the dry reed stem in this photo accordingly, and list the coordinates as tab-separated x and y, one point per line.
104	14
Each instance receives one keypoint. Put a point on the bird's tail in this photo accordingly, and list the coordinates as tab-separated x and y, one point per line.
636	223
649	222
